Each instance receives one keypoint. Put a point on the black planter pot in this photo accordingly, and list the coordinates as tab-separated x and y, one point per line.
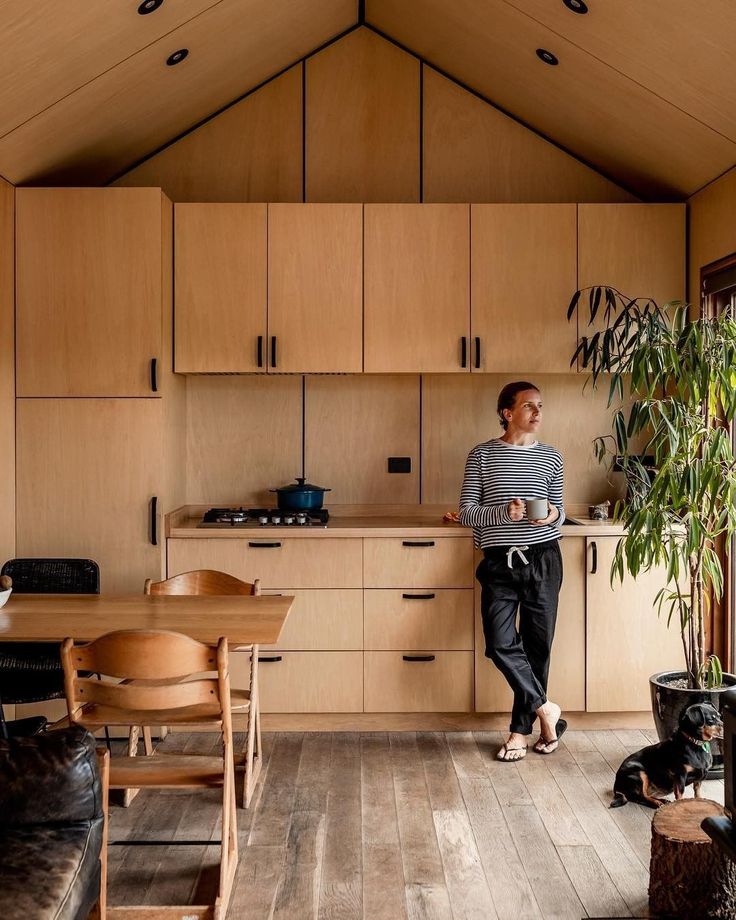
669	702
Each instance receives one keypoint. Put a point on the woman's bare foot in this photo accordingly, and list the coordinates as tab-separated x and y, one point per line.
549	715
514	748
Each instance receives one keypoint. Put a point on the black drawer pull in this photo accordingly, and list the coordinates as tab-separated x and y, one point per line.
260	351
477	352
418	597
154	375
153	510
594	568
270	658
263	545
417	543
273	351
418	657
464	351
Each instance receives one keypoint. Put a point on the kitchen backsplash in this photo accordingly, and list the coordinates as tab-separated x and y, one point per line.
249	434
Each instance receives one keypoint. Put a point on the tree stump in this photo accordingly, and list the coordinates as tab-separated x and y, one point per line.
689	878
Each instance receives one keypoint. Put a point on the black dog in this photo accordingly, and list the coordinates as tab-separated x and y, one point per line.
671	765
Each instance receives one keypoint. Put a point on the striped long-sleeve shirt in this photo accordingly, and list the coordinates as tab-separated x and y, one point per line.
497	472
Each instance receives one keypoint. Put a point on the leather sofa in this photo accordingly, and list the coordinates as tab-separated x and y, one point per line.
52	822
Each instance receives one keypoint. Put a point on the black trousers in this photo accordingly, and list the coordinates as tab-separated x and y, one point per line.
522	655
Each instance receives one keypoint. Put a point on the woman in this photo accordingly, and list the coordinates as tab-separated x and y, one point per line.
522	565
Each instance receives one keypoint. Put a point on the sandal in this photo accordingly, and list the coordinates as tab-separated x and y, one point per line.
505	754
549	747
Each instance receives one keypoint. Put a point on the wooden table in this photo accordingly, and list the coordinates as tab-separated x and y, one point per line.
53	617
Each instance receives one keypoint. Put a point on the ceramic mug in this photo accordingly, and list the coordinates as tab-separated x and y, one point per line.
536	509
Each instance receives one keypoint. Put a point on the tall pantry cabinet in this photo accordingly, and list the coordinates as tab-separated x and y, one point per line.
100	415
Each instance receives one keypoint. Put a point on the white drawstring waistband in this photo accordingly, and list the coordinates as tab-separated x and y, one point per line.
510	555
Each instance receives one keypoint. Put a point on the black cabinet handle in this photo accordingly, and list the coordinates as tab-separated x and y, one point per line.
418	657
273	351
153	512
270	658
418	597
264	545
260	351
464	351
154	375
417	543
477	352
594	547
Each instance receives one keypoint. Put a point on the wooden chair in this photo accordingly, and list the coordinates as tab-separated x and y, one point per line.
150	677
244	702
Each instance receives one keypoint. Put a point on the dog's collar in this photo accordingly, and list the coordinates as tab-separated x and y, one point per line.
699	741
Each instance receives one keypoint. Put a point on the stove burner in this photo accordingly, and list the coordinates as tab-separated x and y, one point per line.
263	517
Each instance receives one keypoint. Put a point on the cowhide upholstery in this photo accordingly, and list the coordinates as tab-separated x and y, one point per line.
51	825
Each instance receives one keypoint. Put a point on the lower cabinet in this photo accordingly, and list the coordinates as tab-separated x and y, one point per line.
307	681
418	681
626	641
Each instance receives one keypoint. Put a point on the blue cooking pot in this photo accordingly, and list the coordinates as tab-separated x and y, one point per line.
300	496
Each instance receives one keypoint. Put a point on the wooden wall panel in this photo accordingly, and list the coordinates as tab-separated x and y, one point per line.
244	437
251	152
7	375
473	152
352	426
460	412
712	228
362	131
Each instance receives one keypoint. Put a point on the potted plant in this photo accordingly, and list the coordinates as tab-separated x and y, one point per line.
675	377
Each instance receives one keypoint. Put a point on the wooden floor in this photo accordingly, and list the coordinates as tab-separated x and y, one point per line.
406	825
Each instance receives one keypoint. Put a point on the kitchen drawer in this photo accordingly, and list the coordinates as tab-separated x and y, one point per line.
321	620
444	684
419	619
413	562
279	562
304	681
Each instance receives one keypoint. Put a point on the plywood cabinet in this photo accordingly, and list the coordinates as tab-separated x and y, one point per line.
626	642
88	471
417	297
315	299
523	273
90	288
221	278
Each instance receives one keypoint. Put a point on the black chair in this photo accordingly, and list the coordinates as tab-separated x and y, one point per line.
30	672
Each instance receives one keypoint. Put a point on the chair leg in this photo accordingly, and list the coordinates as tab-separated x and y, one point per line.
147	740
3	723
229	837
133	736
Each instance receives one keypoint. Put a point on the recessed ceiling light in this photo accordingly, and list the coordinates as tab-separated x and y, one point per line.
577	6
547	57
177	57
149	6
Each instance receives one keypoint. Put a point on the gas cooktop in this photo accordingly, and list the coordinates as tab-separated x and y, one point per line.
263	517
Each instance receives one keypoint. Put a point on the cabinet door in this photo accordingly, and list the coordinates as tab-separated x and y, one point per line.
417	298
220	267
87	470
89	290
626	641
567	665
315	270
639	249
523	274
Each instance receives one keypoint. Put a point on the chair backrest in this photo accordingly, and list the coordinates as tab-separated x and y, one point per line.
53	576
204	582
145	672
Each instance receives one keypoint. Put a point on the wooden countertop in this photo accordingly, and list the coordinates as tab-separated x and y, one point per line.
364	521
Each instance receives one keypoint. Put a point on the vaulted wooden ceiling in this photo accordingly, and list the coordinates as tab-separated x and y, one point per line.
643	91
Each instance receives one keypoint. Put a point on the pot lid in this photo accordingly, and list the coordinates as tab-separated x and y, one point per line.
301	486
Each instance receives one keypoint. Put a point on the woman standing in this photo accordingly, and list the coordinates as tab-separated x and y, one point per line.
522	565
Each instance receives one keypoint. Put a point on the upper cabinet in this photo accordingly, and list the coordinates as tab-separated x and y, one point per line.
416	288
523	271
221	277
91	283
315	273
639	249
